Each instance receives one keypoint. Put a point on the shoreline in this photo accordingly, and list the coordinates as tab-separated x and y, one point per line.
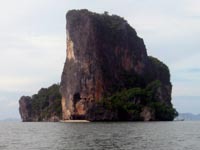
71	121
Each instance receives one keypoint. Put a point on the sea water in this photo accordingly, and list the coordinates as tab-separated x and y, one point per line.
181	135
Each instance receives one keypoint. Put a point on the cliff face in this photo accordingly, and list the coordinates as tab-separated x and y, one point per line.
43	106
107	76
25	108
106	58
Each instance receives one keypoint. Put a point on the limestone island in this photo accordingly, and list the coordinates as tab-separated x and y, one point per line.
107	76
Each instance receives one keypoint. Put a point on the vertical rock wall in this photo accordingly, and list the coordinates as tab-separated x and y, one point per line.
103	54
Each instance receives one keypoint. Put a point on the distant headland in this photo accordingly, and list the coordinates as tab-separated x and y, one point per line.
107	76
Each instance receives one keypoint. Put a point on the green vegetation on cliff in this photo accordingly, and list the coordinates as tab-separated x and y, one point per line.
160	70
129	103
47	102
43	106
163	112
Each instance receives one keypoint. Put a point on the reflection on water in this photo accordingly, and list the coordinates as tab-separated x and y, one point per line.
121	135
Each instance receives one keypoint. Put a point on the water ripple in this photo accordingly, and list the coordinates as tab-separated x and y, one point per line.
98	136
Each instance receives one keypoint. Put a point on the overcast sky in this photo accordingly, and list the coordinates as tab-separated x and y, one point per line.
33	43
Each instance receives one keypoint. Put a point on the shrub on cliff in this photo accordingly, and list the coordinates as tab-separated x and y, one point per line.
160	69
128	103
164	112
47	102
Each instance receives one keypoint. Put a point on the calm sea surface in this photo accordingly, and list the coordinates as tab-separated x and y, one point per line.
125	135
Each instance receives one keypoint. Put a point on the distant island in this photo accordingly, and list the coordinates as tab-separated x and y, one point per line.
107	76
188	117
10	120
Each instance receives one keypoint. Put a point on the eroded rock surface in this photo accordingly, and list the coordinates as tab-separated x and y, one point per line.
106	56
25	108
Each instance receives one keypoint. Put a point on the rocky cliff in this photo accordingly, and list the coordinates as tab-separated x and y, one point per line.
108	74
43	106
